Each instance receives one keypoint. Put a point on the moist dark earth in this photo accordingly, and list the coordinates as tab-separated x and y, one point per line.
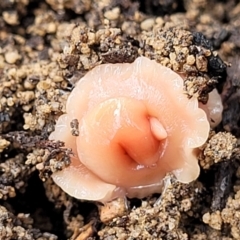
47	46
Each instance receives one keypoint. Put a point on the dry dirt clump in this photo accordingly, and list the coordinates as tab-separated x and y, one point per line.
49	157
231	214
220	146
13	176
189	54
157	218
88	48
47	46
20	227
228	217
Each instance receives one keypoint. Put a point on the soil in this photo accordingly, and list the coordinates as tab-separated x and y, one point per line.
46	47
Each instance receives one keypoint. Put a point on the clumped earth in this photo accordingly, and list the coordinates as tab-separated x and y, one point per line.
46	46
